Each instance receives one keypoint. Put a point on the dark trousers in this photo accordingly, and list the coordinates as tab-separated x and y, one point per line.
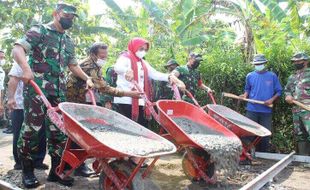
17	117
125	109
264	119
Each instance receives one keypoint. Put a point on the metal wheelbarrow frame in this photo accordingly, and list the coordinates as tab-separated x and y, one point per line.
113	178
195	162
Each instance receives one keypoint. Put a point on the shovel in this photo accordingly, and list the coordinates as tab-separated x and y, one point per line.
245	99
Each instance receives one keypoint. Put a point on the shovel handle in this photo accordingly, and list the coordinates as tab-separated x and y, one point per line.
301	105
230	95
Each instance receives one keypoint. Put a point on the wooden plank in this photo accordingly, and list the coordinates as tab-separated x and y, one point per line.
269	174
276	156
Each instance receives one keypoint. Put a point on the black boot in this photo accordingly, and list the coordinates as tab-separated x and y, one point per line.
83	171
28	177
53	177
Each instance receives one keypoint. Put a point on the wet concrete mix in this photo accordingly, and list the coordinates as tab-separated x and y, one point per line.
224	151
118	132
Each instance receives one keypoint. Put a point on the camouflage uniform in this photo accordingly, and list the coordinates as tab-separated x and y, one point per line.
50	52
163	91
191	78
76	87
298	86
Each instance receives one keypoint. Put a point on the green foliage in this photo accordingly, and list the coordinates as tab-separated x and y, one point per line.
177	27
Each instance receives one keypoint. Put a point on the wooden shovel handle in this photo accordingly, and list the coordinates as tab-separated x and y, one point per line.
230	95
301	105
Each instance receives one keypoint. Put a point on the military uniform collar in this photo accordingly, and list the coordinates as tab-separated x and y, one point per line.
51	26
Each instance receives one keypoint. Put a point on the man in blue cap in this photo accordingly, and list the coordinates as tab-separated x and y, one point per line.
261	85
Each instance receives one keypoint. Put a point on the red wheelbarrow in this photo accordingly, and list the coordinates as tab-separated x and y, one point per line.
105	135
238	124
190	128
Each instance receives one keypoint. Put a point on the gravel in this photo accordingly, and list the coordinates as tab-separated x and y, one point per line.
126	141
224	151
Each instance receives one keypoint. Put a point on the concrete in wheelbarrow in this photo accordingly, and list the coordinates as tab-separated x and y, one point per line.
167	174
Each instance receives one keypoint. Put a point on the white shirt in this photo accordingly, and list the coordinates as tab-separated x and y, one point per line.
122	65
2	76
16	71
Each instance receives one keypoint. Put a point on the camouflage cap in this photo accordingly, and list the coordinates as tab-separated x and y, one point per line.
196	56
259	59
171	62
66	8
300	56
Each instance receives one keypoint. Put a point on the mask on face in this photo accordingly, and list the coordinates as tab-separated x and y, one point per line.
195	65
66	23
299	66
100	62
2	62
140	54
259	67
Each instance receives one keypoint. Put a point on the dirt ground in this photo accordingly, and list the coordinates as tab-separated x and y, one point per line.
167	175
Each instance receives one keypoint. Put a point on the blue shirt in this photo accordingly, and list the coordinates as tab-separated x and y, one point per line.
261	86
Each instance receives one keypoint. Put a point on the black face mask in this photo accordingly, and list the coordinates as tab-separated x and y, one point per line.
66	23
195	65
299	66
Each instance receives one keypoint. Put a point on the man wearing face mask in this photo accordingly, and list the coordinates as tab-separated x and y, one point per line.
92	65
298	88
265	86
191	76
163	89
51	51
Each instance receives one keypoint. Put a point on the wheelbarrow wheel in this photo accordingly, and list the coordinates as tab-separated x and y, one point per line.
203	161
123	169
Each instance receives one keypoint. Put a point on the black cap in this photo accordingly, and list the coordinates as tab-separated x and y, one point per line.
66	8
196	56
300	56
171	62
1	51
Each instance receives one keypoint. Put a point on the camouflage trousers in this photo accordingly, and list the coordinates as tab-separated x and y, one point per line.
301	122
35	118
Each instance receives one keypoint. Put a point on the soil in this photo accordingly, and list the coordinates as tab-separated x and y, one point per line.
167	174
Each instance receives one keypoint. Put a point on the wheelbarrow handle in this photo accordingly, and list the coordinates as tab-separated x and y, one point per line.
176	92
212	97
189	94
40	93
90	92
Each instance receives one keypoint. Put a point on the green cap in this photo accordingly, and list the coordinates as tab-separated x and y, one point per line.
171	62
66	8
300	56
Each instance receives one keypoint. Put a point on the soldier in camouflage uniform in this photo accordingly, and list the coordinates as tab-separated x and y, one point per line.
163	89
190	75
298	88
51	52
76	89
92	65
